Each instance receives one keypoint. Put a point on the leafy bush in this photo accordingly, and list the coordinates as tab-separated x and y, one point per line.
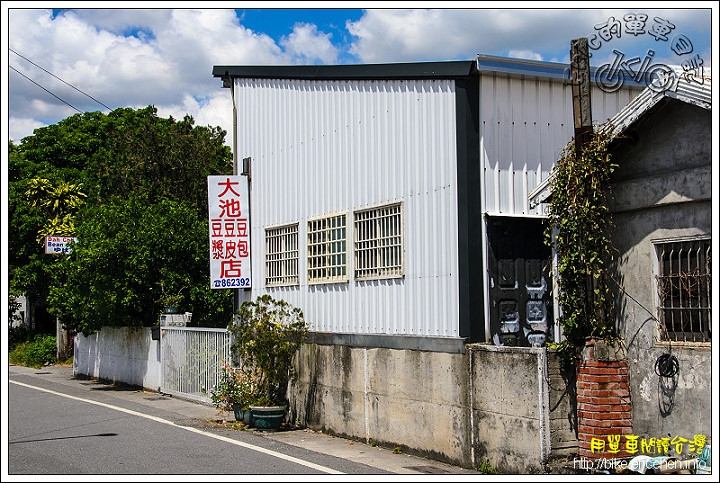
18	335
267	333
36	353
234	387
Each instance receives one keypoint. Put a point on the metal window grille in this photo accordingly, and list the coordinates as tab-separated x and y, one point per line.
327	249
684	285
281	256
379	242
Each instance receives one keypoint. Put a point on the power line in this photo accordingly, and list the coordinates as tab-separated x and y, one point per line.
41	87
81	92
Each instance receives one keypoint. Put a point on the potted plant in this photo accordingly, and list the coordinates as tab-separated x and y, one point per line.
266	335
233	392
170	299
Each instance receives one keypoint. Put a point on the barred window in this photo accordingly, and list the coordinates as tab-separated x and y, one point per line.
683	283
281	256
327	249
379	243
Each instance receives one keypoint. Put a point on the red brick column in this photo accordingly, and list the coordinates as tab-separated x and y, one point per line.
604	409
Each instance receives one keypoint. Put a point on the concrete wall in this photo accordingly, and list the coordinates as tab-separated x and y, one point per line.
662	191
489	404
506	405
510	407
119	355
21	317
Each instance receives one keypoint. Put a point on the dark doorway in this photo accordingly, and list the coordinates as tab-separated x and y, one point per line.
41	321
520	283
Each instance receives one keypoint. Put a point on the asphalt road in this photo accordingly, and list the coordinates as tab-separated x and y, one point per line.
61	425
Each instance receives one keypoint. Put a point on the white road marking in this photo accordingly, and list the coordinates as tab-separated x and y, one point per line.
194	430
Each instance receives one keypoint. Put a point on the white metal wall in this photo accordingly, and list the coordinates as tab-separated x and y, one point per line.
322	147
524	125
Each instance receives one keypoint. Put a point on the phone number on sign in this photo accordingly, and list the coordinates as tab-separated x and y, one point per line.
232	282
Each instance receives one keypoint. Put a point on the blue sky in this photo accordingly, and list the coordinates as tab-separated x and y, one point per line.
60	62
279	22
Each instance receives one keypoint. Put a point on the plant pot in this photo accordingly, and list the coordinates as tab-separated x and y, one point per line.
171	309
244	415
268	418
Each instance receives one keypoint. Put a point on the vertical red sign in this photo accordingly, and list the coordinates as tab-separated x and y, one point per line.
229	228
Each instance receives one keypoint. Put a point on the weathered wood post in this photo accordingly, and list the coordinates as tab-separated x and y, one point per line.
582	111
582	115
602	380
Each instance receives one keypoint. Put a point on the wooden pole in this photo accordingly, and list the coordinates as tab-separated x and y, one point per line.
582	112
582	116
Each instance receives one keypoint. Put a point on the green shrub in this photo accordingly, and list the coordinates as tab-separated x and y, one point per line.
487	469
41	350
17	354
267	333
19	334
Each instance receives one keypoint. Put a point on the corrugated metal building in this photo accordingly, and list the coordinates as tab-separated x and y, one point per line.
390	201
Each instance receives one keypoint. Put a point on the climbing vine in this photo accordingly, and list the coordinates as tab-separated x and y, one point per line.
578	228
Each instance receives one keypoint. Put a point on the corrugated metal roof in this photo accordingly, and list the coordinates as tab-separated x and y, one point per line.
686	91
692	92
537	68
489	63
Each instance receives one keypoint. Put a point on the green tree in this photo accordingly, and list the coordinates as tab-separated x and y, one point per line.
128	151
128	252
118	159
58	203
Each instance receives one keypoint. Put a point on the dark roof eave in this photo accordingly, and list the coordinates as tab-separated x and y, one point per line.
414	70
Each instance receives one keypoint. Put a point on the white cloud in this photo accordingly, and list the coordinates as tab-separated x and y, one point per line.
308	46
18	128
215	110
132	58
525	54
135	57
402	35
387	35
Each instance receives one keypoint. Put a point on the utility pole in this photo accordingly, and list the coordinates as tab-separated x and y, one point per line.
582	116
582	112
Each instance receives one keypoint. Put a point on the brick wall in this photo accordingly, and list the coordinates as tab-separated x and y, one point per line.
603	402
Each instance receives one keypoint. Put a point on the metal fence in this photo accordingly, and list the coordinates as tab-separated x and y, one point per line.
191	360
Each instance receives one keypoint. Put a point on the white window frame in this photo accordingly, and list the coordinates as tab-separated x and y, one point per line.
683	284
282	255
379	242
327	249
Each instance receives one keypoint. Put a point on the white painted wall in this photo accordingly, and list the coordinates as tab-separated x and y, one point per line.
119	355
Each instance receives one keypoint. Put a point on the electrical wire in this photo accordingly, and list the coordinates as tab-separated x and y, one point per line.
667	365
61	80
41	87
